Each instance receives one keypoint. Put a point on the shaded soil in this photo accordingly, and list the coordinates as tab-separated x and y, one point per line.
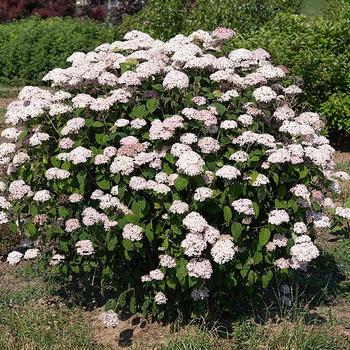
134	330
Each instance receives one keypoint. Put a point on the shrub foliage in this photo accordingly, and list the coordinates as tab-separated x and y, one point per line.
182	178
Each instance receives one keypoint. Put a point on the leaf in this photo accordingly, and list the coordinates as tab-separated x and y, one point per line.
63	212
55	162
152	104
133	305
264	236
149	232
266	278
122	299
33	209
171	283
252	277
139	111
111	304
303	172
23	135
112	243
257	257
101	139
236	230
97	124
275	178
81	176
31	229
128	245
103	184
86	268
181	183
66	165
256	209
282	191
227	214
181	272
13	227
75	268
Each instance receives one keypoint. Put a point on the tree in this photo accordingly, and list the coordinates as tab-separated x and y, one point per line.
14	9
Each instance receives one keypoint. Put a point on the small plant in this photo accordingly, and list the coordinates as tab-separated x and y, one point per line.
174	174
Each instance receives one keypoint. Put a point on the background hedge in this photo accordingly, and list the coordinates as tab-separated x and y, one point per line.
318	51
30	48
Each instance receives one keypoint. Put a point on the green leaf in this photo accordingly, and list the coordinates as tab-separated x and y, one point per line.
31	229
266	278
63	212
181	183
122	300
81	176
64	246
86	268
112	243
139	111
257	257
275	178
128	245
152	104
236	230
23	135
12	227
33	209
101	139
181	272
264	236
303	172
75	268
252	277
133	305
256	209
282	191
111	304
149	232
103	184
97	124
171	283
227	214
55	162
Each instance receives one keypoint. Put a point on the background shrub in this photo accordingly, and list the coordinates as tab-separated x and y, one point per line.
28	48
317	51
166	18
242	16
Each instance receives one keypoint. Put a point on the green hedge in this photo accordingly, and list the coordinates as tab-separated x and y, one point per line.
166	18
318	51
30	48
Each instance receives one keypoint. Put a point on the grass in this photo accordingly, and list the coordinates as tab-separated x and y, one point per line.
28	321
250	336
313	8
33	317
33	326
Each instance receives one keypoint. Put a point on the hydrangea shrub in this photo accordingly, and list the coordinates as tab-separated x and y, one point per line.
175	174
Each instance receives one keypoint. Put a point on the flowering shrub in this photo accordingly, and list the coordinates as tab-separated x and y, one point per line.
169	172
